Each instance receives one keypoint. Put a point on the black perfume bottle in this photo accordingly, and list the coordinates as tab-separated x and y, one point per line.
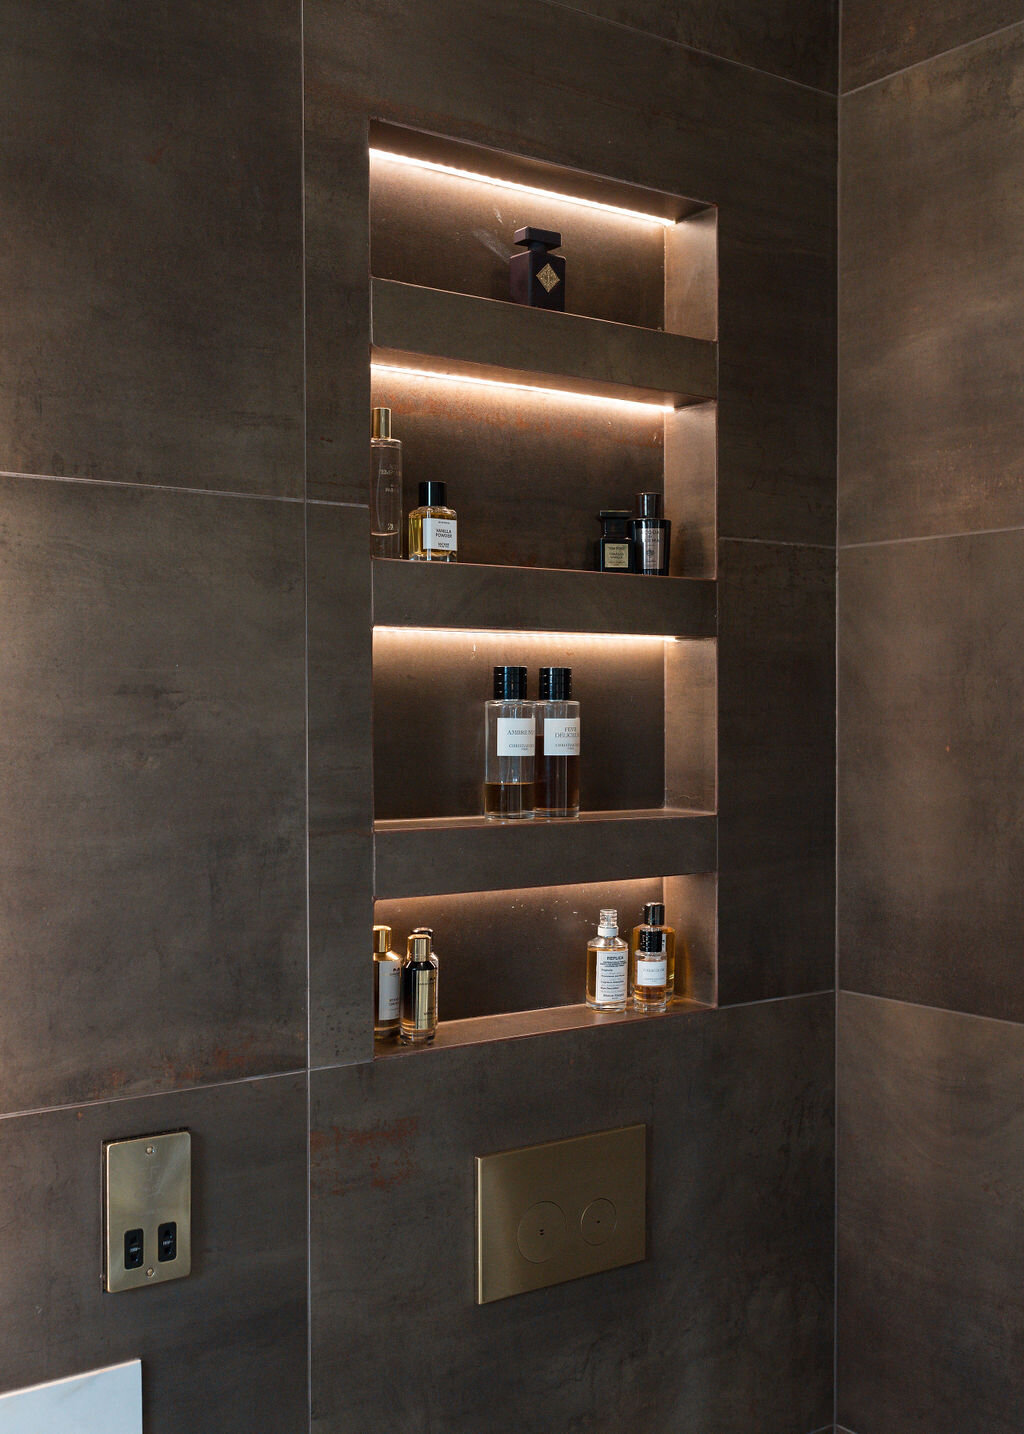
537	277
652	534
615	545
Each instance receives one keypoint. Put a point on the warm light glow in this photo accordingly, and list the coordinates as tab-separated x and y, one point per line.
511	633
634	403
435	168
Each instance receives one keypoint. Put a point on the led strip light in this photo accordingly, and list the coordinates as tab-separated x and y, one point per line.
565	393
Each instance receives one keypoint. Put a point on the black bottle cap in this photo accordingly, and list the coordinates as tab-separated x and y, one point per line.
433	495
509	683
649	940
654	913
648	505
614	513
555	684
547	238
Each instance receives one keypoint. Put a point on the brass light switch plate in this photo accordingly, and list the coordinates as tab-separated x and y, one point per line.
550	1213
147	1210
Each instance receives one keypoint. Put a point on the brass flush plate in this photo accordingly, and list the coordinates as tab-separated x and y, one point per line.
550	1213
148	1210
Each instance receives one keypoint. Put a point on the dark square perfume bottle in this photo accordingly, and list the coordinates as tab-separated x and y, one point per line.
537	277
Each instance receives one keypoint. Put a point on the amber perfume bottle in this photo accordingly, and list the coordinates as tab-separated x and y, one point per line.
556	770
652	534
607	966
509	755
387	986
615	545
419	990
652	961
537	277
433	527
385	487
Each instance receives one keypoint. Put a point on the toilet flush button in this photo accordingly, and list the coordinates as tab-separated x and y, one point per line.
541	1233
598	1222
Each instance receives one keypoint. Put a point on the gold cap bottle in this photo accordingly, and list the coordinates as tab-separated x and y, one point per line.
419	990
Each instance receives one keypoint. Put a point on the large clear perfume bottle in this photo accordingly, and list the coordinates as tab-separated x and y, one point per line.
419	990
387	985
509	757
653	961
607	966
556	772
385	487
433	527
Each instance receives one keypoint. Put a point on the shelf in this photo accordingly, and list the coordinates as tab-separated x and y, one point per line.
500	599
482	1029
457	854
487	339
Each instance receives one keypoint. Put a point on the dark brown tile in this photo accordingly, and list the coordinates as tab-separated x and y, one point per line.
340	785
776	742
931	303
152	268
739	1110
931	1163
153	794
223	1349
877	39
932	651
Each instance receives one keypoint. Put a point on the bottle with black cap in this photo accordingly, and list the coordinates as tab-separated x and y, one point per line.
433	528
510	734
536	276
557	767
419	989
652	534
653	961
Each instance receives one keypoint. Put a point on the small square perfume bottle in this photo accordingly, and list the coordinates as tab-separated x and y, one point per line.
537	277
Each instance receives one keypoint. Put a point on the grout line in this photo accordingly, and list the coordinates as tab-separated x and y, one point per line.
780	543
335	503
150	487
172	1091
939	55
932	537
928	1006
835	775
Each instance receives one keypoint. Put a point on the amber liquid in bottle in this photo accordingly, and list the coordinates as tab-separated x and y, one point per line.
652	962
509	800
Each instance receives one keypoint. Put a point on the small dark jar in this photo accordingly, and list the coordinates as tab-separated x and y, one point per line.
537	277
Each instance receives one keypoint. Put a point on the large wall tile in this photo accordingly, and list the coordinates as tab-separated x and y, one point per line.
880	39
932	297
931	846
224	1349
776	698
152	258
931	1262
726	1327
152	802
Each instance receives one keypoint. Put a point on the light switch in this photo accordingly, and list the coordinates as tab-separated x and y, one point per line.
148	1204
553	1212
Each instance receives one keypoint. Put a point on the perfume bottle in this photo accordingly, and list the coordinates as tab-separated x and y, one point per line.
537	277
433	529
387	985
419	990
385	487
607	966
511	737
556	770
652	535
615	545
652	964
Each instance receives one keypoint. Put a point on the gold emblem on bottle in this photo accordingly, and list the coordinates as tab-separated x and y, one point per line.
548	277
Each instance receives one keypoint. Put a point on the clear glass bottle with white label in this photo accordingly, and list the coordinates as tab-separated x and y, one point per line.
419	990
433	527
556	771
509	758
652	972
607	966
387	986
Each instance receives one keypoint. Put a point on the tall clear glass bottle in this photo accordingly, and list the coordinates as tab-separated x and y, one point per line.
509	755
419	990
385	487
387	985
652	961
607	966
556	772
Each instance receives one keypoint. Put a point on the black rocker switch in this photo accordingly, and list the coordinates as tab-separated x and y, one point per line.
133	1245
167	1241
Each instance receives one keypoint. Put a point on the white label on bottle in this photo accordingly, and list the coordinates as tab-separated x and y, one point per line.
612	973
652	546
440	535
561	736
389	990
516	736
616	555
651	973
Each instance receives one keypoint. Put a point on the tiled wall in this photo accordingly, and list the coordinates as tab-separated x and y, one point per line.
185	750
931	526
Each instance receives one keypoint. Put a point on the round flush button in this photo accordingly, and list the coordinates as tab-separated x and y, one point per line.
598	1222
541	1232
